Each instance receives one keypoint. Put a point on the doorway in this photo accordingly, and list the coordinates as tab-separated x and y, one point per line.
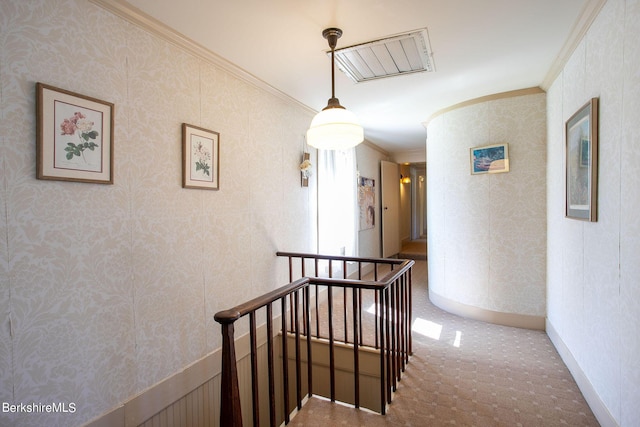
419	201
391	209
413	194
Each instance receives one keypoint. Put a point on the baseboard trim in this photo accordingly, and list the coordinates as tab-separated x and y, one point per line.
159	396
524	321
596	404
156	398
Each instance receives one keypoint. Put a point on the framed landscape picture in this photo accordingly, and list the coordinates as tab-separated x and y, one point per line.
74	136
581	163
490	159
200	158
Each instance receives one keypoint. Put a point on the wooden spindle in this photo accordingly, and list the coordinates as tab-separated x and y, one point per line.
230	410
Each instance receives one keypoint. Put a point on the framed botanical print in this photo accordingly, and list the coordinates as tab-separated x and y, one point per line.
200	158
74	136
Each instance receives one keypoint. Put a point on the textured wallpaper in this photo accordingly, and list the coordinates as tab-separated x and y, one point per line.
594	268
106	290
487	233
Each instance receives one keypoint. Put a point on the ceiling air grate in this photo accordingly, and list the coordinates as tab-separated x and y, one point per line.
393	56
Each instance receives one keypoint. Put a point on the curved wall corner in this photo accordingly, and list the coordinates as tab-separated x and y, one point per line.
487	233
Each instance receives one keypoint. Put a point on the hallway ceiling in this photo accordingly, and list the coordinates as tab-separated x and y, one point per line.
479	48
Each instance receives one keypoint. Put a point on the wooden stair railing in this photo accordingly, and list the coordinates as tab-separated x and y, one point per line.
392	306
392	331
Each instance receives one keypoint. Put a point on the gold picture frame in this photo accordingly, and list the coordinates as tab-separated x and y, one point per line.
200	158
489	159
74	136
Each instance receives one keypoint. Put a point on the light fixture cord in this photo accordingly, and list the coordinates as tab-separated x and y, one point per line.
333	72
332	35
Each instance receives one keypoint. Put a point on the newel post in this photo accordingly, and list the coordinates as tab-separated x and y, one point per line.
230	411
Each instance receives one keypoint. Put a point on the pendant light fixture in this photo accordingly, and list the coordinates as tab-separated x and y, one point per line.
335	127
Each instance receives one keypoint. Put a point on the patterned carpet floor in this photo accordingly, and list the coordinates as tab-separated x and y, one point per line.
468	373
414	249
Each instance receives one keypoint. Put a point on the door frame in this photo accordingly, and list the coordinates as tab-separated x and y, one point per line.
390	208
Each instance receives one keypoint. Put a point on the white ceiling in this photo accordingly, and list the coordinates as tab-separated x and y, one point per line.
479	47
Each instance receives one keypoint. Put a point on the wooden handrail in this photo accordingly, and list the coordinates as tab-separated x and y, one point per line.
392	331
231	315
370	260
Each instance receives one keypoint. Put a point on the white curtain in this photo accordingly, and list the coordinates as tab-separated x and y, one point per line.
337	202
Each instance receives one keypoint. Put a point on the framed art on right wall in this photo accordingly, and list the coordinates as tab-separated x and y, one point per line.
581	163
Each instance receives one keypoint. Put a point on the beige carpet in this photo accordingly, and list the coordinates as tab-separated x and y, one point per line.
414	249
469	373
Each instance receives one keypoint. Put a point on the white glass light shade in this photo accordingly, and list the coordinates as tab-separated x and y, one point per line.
335	129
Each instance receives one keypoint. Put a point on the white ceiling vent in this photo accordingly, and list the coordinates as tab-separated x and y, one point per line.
393	56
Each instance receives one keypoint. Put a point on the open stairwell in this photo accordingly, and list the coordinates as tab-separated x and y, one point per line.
459	371
464	372
340	328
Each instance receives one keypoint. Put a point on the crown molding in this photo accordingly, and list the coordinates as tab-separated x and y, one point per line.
373	146
142	20
493	97
580	28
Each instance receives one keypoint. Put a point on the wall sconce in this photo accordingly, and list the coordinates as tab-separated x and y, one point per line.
305	170
405	180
